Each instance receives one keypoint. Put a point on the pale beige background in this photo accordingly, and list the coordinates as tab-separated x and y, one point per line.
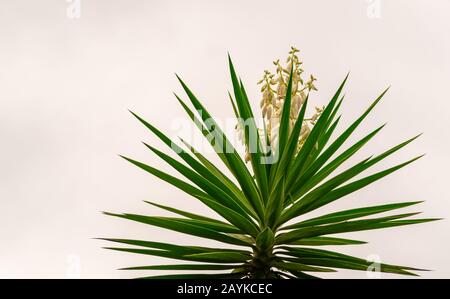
65	85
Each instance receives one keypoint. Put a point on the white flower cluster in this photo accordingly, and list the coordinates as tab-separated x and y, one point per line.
274	88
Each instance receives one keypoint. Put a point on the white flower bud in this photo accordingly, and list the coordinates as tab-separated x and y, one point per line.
296	100
305	129
279	103
281	90
274	101
294	87
268	112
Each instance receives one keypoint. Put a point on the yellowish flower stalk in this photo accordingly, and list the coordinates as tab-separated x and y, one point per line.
273	91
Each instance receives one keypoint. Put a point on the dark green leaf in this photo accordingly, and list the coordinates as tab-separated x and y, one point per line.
234	162
350	214
300	267
265	239
235	212
324	241
184	267
183	226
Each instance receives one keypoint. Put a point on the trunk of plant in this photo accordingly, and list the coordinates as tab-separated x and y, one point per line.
260	266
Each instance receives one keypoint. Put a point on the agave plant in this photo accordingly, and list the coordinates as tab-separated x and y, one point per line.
290	172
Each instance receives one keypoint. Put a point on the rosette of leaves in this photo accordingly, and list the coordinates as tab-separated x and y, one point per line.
258	206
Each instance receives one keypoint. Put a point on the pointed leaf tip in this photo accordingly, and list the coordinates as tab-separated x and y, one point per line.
110	214
180	80
124	157
147	145
346	77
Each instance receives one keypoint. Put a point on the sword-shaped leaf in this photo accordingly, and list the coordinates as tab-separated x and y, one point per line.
234	161
350	214
176	249
325	241
318	163
289	266
251	134
183	226
311	141
184	267
348	226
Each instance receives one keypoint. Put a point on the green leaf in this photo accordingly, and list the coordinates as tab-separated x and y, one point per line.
186	214
301	275
300	267
221	257
353	172
201	182
348	226
280	168
203	197
184	267
324	194
285	117
299	207
246	238
309	180
325	241
333	114
311	141
350	214
276	203
215	144
352	187
342	264
182	226
235	212
330	126
233	160
165	254
332	259
197	276
236	112
251	134
175	249
323	140
342	138
222	177
189	189
212	176
392	150
265	239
